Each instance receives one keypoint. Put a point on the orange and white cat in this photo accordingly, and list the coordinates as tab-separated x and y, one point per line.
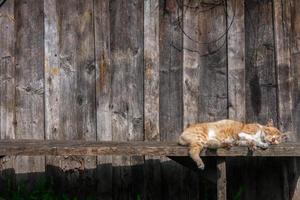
226	133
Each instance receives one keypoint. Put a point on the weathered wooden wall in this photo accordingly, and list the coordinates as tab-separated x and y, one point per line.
143	70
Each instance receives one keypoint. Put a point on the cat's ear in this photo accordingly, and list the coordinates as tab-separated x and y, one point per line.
270	123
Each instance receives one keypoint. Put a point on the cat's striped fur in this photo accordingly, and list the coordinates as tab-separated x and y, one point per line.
226	133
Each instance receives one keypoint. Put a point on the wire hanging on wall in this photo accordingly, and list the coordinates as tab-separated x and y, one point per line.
2	2
207	7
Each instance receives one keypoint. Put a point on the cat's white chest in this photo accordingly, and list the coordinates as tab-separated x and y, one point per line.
257	137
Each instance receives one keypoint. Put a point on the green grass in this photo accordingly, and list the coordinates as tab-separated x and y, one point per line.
238	195
42	190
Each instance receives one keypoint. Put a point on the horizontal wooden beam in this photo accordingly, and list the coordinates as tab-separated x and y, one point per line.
66	148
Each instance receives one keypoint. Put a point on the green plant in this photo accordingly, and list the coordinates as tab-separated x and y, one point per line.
238	195
42	190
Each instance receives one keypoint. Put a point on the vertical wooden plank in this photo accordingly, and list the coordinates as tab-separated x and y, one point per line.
7	84
151	74
126	26
261	92
212	60
287	89
236	59
103	94
236	88
7	71
295	31
70	83
170	91
260	65
170	96
192	86
170	72
191	67
282	31
221	179
151	96
29	77
52	70
213	64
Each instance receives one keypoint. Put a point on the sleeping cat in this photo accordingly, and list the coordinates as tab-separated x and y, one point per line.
226	133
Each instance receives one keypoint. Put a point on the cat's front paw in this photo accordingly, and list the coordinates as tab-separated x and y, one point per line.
264	146
228	146
201	166
252	146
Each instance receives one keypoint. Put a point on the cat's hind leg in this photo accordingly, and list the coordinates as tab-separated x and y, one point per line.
213	144
194	152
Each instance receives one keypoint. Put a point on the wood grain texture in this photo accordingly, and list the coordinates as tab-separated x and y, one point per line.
213	63
236	59
191	65
134	148
295	54
236	87
7	84
282	32
260	65
170	72
126	26
151	96
287	89
7	71
29	77
170	92
151	69
204	65
103	95
295	51
192	60
261	91
221	181
70	81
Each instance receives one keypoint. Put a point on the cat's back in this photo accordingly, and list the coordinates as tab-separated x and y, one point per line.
205	126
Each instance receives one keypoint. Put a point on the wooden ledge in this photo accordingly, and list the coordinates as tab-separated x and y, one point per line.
66	148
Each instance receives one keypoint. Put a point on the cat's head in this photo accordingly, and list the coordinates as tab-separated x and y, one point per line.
272	134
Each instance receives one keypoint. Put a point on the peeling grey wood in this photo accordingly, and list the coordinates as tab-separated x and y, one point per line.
29	77
213	71
260	63
191	83
295	51
52	78
126	26
151	69
170	92
221	179
287	92
282	32
191	65
236	59
7	81
170	72
7	71
211	76
133	148
103	94
295	55
70	78
151	96
236	83
261	90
